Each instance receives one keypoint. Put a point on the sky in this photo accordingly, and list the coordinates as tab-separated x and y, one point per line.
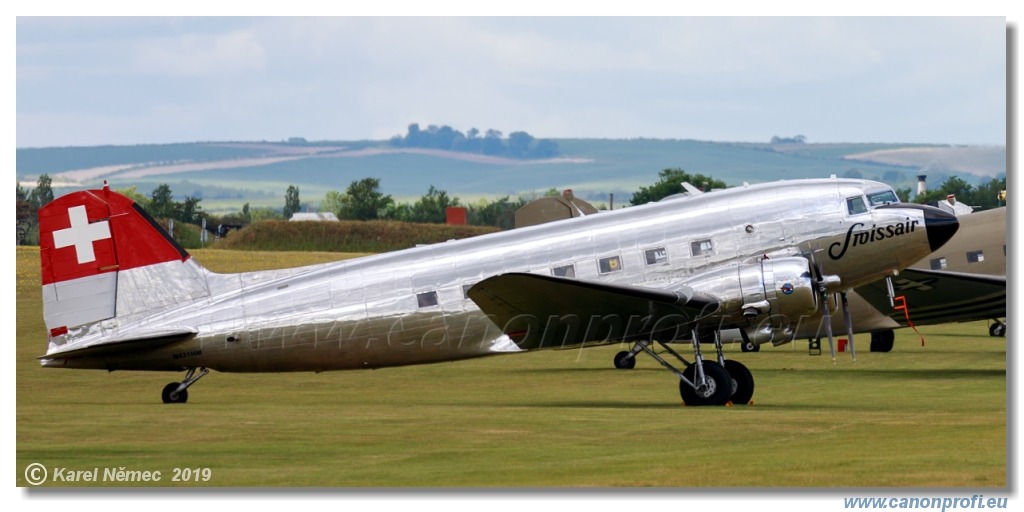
140	80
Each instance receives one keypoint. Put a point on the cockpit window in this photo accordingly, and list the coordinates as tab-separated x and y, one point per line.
855	205
880	198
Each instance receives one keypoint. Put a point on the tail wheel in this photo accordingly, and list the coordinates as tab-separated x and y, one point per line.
172	397
742	382
716	390
997	330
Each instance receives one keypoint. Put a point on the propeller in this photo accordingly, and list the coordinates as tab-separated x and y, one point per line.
823	283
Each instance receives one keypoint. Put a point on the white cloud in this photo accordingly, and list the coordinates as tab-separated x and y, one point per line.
849	79
195	55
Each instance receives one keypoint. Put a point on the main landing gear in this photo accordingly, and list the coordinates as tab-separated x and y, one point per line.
701	382
882	341
177	392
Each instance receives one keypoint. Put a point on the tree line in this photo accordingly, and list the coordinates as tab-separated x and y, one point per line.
26	207
986	195
364	200
519	144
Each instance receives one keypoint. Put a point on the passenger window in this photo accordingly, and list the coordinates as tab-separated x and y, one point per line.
975	257
702	247
939	264
465	290
610	264
656	256
564	271
855	205
426	299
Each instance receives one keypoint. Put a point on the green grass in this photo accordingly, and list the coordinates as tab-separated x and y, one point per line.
932	416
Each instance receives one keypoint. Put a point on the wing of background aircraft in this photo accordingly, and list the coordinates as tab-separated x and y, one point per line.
963	281
936	296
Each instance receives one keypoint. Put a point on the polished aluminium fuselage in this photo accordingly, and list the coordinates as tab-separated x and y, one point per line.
410	306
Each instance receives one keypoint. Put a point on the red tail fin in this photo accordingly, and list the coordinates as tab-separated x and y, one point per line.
87	240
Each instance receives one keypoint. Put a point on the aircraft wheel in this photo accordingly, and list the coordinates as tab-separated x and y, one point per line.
179	398
717	390
742	382
624	361
882	341
997	330
750	346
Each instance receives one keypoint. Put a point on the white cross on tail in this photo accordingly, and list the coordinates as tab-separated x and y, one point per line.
81	234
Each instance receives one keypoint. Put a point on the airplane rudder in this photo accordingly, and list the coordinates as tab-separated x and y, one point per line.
78	263
75	238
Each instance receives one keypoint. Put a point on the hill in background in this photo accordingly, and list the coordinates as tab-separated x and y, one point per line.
228	174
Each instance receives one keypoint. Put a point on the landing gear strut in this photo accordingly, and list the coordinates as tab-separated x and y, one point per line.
177	392
701	382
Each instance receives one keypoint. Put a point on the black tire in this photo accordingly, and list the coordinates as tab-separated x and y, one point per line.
179	398
717	391
882	341
997	330
742	382
624	361
750	346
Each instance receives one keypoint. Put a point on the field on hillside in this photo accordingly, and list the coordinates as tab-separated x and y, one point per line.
227	175
918	417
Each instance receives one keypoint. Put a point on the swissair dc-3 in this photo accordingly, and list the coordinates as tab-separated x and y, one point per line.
120	294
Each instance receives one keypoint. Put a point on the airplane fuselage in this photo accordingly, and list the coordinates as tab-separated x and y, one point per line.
411	306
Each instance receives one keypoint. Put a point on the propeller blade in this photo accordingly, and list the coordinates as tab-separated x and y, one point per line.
827	318
849	325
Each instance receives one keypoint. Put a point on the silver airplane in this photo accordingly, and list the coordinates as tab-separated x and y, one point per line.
120	294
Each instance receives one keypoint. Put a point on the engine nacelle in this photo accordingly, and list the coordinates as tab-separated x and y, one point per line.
765	298
785	284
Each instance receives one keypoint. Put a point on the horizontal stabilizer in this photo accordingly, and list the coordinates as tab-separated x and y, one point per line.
539	311
136	341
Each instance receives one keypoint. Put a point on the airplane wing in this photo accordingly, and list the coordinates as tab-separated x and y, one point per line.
120	345
539	311
938	297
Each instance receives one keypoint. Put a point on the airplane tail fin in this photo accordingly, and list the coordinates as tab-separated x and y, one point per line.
105	263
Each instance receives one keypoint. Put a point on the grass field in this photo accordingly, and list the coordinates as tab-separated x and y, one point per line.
932	416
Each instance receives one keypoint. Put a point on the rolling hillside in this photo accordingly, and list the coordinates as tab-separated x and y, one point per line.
228	174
